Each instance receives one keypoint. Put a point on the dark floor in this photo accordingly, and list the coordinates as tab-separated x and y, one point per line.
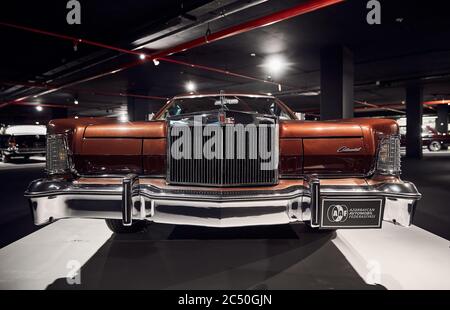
15	216
431	175
181	257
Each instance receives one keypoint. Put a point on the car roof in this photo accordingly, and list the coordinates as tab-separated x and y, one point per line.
23	130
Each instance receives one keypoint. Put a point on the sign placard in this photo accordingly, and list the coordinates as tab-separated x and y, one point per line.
351	212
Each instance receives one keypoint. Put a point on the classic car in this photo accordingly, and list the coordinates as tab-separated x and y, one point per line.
23	141
224	160
431	139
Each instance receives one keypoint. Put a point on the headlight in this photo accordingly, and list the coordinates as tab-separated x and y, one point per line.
388	160
58	161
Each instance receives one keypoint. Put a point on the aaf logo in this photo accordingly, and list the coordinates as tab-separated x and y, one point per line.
74	15
374	15
337	213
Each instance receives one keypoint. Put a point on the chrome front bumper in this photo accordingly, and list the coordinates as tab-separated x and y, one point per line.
132	198
23	152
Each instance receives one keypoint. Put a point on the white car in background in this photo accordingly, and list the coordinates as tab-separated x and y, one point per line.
23	141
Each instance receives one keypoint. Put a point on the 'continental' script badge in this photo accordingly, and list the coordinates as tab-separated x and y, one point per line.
346	149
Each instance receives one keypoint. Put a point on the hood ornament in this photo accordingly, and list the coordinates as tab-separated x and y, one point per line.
345	149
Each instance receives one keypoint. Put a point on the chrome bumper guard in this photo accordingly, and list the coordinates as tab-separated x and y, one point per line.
52	199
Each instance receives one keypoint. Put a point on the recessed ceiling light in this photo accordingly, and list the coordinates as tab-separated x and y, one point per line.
253	54
190	86
76	117
156	62
39	108
310	93
275	64
37	123
142	56
75	102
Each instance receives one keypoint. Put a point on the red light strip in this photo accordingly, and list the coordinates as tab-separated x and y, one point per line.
87	91
436	102
267	20
226	33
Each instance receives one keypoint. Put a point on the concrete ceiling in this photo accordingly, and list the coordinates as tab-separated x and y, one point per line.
410	44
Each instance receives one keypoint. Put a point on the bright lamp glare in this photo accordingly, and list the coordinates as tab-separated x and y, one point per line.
190	86
275	65
142	56
123	118
39	108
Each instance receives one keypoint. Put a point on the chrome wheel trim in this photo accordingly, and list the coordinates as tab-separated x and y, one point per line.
435	146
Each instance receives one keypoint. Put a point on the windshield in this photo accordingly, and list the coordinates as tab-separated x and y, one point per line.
260	105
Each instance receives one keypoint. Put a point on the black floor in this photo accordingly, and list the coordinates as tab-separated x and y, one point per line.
431	175
181	257
15	215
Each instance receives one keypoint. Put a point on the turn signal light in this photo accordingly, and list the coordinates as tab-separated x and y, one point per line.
58	160
388	161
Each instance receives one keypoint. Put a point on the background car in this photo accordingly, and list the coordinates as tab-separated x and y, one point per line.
23	141
431	138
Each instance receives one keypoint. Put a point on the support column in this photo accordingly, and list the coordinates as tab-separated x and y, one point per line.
414	114
336	79
137	109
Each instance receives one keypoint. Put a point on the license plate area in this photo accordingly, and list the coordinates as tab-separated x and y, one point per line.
347	213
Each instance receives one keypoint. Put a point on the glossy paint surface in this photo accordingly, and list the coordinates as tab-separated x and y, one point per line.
107	147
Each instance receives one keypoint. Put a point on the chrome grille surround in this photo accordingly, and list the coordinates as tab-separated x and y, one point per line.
222	172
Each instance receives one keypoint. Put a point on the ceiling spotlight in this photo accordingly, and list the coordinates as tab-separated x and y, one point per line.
275	65
142	56
37	123
253	54
156	62
190	86
310	93
39	108
76	117
75	102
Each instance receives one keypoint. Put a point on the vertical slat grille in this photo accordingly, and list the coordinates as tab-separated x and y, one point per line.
221	171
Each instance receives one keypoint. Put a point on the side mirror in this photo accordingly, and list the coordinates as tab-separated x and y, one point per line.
151	116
